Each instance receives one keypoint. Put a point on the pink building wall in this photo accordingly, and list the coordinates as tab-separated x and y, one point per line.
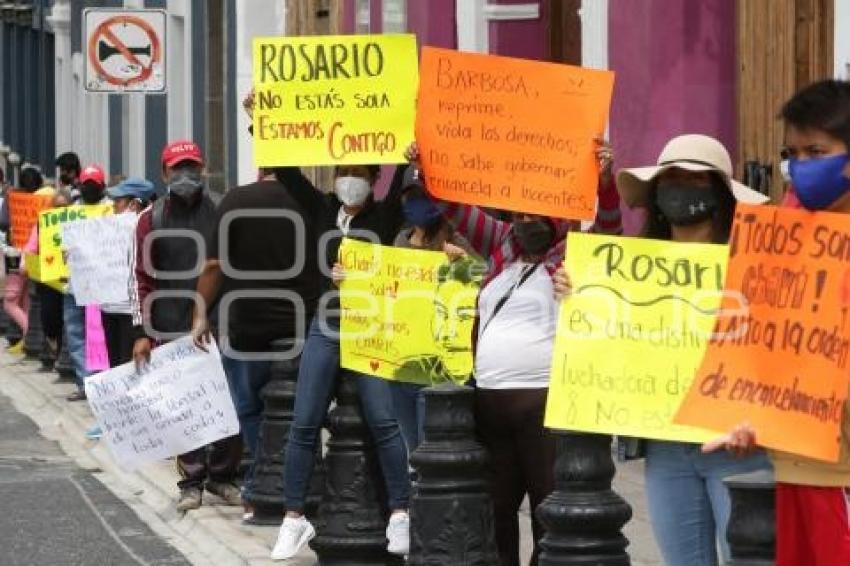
676	69
526	39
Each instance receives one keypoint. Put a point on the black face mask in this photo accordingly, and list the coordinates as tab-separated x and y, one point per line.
66	179
535	237
684	205
90	193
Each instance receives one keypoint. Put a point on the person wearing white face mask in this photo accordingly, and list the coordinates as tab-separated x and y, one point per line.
353	212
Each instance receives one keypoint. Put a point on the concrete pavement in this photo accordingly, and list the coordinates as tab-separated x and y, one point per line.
213	534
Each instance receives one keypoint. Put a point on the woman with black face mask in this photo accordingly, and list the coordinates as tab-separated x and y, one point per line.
689	196
517	315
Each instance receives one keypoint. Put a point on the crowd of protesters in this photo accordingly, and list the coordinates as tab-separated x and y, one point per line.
282	220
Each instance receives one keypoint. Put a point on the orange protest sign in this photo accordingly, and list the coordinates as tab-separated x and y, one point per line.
23	214
779	355
510	133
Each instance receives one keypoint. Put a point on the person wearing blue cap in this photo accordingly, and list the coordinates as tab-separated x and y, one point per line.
131	195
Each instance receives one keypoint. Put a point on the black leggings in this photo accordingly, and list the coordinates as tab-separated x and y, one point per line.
509	423
118	330
51	311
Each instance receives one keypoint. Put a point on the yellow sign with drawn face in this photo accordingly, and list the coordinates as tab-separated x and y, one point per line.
332	100
632	334
51	258
407	315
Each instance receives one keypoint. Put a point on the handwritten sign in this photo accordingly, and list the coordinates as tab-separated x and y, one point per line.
98	256
182	402
334	100
23	215
779	357
32	264
53	266
511	134
407	314
632	334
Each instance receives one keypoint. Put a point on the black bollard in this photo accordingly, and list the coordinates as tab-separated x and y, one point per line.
266	495
584	517
451	514
352	517
33	341
752	524
63	366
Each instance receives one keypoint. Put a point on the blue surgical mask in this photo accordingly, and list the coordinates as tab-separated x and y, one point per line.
820	182
421	212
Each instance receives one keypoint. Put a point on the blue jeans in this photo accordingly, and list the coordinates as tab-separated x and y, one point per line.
317	378
246	380
409	404
689	505
75	333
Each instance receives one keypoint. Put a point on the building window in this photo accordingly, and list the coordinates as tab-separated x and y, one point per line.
395	16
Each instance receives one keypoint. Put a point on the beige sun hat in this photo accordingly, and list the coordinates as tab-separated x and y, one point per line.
693	152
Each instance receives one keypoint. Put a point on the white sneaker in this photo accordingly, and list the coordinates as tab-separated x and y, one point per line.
398	534
293	535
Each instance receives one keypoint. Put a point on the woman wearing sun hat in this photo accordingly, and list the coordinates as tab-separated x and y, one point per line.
690	196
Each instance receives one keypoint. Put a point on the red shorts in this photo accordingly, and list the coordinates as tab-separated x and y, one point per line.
812	525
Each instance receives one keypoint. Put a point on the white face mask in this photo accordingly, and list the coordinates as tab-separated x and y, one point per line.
352	191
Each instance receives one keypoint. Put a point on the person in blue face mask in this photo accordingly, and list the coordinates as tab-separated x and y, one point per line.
818	138
426	229
812	497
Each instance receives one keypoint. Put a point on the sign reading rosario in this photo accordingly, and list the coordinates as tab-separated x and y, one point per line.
781	365
334	99
510	133
653	303
407	314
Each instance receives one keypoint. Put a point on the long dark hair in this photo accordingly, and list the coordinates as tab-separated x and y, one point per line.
657	227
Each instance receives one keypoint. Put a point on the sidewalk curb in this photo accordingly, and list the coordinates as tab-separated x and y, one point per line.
213	534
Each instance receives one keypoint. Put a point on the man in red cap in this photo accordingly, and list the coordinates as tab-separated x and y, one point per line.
186	208
92	188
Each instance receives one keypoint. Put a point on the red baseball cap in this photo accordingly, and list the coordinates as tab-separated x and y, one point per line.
94	174
183	150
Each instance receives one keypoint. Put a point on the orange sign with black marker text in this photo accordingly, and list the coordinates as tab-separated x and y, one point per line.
510	133
780	354
23	215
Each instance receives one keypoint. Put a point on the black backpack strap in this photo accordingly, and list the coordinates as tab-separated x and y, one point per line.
522	279
158	214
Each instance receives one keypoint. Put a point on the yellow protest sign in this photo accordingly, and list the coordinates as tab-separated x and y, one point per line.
632	334
53	266
32	264
407	314
329	100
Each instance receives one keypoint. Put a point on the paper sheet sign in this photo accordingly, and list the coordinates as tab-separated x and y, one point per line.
334	99
53	266
98	253
23	215
632	334
407	314
780	356
182	402
511	134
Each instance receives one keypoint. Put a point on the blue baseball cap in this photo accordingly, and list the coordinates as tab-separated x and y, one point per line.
134	187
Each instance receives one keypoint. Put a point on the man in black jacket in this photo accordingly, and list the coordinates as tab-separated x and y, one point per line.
172	270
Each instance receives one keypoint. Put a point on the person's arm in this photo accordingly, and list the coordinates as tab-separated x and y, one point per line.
140	286
208	289
483	232
608	217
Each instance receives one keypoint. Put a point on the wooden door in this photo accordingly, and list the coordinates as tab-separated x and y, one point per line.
783	45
